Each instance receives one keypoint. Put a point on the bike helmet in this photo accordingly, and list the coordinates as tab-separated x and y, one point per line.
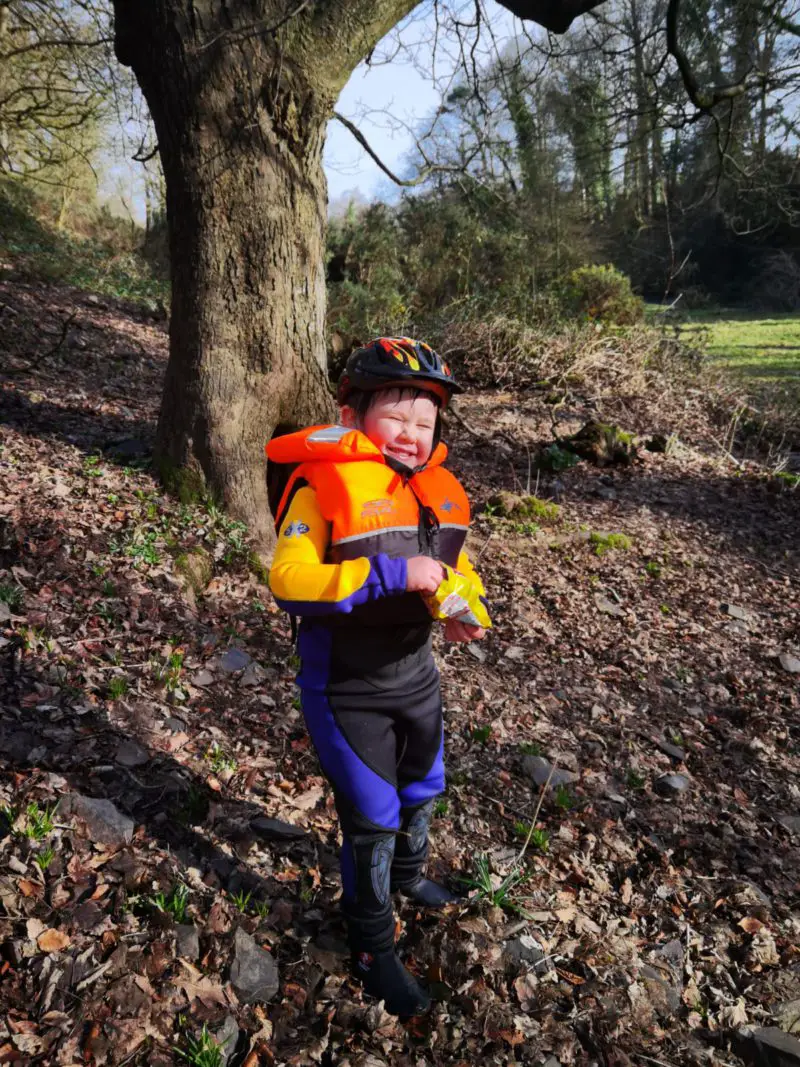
400	361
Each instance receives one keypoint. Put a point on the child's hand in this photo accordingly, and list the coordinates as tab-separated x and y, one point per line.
425	575
462	632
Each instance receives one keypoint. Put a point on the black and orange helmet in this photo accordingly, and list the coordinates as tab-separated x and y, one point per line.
400	361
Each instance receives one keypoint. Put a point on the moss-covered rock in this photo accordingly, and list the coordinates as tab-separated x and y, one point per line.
603	444
523	508
196	568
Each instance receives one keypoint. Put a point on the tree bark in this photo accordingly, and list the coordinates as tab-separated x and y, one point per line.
240	132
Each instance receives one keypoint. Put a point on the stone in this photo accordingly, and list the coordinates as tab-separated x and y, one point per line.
767	1047
787	1016
187	944
735	612
127	448
5	611
232	660
105	823
227	1038
276	829
525	949
476	652
665	996
538	768
132	754
253	675
174	724
789	662
605	492
672	784
254	972
608	607
674	751
791	822
515	653
202	679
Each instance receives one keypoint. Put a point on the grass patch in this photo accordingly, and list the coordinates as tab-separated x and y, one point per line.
606	542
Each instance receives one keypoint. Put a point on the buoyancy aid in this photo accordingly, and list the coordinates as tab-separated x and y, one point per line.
373	505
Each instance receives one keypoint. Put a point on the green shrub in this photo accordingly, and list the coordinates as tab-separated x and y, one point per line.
600	294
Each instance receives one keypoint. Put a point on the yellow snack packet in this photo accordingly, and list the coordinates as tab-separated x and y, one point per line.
458	598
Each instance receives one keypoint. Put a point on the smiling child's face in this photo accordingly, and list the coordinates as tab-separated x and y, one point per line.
401	425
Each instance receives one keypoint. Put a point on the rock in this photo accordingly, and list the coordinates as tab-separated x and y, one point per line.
525	949
132	754
202	679
174	724
105	823
787	1016
476	652
16	865
515	653
736	612
605	492
608	607
603	443
196	569
665	995
227	1037
672	784
538	768
253	675
254	973
127	448
767	1047
276	829
187	942
674	751
789	662
791	822
234	659
5	611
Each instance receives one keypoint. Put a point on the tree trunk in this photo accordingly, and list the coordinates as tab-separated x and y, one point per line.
246	210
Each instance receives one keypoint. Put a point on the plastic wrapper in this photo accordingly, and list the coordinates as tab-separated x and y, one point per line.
458	598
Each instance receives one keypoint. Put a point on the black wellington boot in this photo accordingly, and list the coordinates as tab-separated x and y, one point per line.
367	907
410	856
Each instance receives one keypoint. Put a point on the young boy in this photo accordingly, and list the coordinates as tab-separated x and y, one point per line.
364	521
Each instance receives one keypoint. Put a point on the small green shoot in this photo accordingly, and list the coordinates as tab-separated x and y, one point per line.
241	900
219	759
497	892
109	589
564	800
202	1051
44	858
539	839
175	903
530	748
665	609
261	908
11	594
653	568
92	468
481	734
554	458
117	687
440	807
38	821
169	672
635	779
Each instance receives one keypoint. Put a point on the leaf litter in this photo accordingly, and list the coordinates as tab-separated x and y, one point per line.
641	923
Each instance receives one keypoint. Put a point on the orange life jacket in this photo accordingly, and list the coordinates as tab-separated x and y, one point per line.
371	505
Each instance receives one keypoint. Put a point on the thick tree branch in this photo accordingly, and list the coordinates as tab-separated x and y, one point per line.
703	99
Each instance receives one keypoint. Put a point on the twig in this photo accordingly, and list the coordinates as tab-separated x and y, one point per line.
532	826
35	363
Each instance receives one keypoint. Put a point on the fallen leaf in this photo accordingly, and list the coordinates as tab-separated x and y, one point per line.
53	940
30	889
750	924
